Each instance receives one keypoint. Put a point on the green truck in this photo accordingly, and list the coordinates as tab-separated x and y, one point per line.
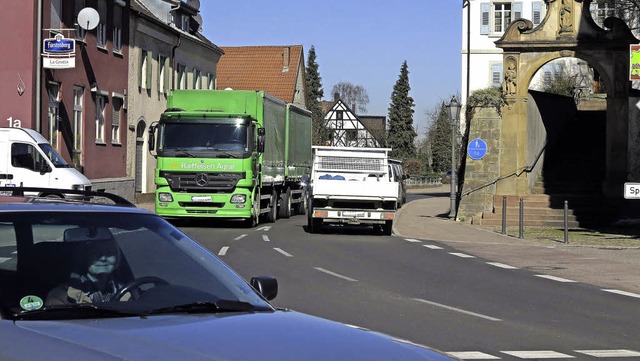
231	154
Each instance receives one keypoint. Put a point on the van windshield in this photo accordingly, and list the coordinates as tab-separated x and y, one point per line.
55	158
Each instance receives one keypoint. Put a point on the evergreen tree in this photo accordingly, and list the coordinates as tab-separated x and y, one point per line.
320	133
439	138
401	134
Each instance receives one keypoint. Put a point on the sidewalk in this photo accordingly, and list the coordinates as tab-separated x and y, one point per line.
427	219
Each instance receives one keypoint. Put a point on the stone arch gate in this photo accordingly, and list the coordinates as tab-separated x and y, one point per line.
567	30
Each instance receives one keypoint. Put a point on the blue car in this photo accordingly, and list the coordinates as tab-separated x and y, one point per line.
90	278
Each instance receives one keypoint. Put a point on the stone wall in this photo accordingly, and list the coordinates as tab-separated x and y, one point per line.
124	187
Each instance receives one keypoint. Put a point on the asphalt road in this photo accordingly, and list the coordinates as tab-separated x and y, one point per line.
429	293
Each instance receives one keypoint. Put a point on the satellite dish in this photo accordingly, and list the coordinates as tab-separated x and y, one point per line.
198	20
88	18
194	3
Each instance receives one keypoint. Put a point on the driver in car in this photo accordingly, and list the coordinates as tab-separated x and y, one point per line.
94	282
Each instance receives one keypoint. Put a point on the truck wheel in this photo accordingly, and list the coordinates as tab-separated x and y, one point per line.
254	220
301	207
314	224
387	228
284	210
273	208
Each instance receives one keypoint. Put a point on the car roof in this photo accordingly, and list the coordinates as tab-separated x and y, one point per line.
14	199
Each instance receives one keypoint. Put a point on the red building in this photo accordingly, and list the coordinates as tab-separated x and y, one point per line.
76	99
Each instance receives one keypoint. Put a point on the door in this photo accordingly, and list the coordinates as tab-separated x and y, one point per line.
26	165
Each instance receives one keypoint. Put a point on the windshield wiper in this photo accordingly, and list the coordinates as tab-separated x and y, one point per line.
76	311
209	307
225	152
183	153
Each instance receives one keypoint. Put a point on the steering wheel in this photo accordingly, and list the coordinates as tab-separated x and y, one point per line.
137	283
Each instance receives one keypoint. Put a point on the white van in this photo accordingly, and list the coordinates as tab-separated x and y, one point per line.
27	159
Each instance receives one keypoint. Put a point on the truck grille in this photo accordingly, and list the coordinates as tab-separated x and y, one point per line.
212	182
332	163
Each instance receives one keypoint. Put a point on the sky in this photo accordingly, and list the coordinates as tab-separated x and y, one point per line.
363	43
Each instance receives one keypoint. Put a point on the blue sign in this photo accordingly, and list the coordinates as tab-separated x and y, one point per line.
59	45
477	149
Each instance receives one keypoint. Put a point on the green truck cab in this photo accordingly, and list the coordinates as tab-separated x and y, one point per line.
231	154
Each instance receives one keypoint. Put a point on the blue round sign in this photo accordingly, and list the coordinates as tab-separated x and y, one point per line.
477	149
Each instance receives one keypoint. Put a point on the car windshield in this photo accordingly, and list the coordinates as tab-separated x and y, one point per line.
79	264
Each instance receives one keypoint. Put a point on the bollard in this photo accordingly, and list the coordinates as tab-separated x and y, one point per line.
504	214
521	226
566	221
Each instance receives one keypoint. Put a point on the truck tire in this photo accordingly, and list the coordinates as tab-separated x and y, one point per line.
284	209
273	208
314	224
254	220
387	228
301	207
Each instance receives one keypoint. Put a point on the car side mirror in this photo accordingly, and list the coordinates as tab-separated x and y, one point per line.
265	285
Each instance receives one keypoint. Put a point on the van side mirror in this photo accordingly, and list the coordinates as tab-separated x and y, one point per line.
261	140
44	167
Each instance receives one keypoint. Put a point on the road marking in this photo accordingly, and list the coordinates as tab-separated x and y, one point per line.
501	265
223	251
537	354
283	252
624	293
265	238
431	246
240	237
462	255
554	278
610	353
412	240
458	310
473	355
335	274
264	228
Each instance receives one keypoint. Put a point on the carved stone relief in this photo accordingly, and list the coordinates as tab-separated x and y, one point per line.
511	77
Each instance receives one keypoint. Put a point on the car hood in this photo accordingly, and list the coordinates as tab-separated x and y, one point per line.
279	335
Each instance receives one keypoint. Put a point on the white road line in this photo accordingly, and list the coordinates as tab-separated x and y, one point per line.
610	353
624	293
473	355
335	274
462	255
282	252
240	237
223	251
501	265
537	354
431	246
265	238
554	278
412	240
458	310
263	228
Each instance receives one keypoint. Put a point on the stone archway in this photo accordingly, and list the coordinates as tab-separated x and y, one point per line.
567	31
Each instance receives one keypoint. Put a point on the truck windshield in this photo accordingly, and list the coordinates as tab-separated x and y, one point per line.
203	137
55	158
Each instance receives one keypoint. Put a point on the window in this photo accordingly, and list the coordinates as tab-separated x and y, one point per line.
197	79
101	101
53	114
496	75
116	116
602	9
56	14
210	81
501	17
181	76
80	32
184	23
78	96
351	135
144	73
25	156
101	30
339	114
117	28
536	12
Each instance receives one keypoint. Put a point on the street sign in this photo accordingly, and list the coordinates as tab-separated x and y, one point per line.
631	190
477	149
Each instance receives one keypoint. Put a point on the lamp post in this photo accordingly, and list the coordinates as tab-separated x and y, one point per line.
454	112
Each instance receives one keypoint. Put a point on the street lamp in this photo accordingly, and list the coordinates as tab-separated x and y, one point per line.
454	112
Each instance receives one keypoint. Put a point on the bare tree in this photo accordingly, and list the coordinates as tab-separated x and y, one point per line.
355	96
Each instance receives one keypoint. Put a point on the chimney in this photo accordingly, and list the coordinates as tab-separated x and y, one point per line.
336	96
286	54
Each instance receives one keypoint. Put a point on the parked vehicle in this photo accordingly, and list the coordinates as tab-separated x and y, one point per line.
352	186
231	154
172	299
28	159
398	175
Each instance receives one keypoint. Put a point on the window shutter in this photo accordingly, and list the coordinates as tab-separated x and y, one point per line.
496	75
140	67
485	9
149	69
167	72
536	11
516	11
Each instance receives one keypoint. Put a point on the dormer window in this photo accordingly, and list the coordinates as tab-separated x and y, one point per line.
181	21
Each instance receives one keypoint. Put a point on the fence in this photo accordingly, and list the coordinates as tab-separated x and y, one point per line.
417	182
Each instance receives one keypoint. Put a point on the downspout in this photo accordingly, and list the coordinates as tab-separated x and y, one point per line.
173	61
38	89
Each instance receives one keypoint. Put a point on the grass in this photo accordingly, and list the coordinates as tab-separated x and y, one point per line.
620	237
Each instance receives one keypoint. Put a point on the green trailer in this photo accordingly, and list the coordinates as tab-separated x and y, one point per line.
231	154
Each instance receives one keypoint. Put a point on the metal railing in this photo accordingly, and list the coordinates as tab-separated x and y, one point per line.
417	182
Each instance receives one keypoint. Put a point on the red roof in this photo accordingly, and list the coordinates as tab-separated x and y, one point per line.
273	69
